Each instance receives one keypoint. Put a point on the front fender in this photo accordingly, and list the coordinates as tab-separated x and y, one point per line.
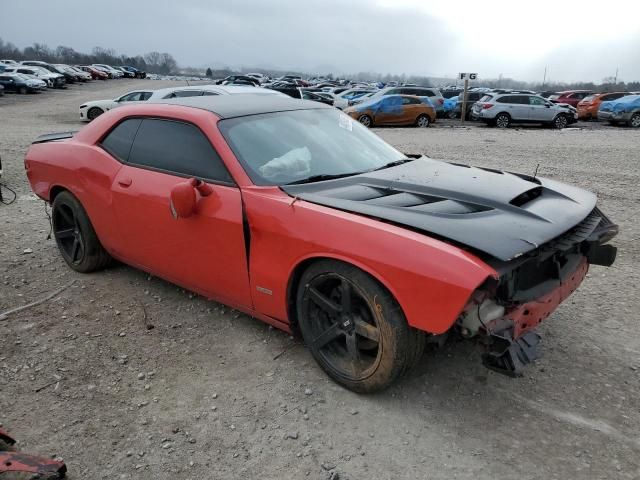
431	280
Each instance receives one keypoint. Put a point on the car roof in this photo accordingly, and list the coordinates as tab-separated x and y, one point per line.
232	106
224	89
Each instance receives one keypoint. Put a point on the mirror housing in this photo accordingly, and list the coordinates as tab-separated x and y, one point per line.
182	200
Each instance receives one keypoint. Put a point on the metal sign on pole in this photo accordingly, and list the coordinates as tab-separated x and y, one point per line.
466	77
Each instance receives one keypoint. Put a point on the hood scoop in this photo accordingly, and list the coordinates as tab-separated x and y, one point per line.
499	213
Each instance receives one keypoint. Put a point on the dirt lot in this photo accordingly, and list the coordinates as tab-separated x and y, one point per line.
210	393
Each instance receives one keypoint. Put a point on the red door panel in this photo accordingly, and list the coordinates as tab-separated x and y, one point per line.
204	253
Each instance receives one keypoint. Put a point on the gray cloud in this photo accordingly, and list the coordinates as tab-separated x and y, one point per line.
311	35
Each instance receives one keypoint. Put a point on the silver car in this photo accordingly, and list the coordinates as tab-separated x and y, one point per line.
502	110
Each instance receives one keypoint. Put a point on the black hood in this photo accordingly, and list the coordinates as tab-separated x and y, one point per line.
500	213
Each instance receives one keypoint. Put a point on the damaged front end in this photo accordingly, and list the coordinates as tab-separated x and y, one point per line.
503	313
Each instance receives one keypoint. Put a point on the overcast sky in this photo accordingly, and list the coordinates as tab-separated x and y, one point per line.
575	39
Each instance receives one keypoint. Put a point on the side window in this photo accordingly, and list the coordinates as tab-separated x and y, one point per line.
177	147
508	99
132	97
537	101
145	95
394	91
613	96
392	101
184	93
188	93
208	93
410	101
118	142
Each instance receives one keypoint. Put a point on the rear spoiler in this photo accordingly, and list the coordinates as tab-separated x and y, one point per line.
52	137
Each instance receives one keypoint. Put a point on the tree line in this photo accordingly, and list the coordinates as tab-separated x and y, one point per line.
154	62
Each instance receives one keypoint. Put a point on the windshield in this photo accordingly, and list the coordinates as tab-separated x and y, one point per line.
284	147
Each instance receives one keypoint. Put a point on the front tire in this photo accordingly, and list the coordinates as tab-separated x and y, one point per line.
75	236
94	112
502	120
560	122
366	120
634	121
354	328
423	121
23	90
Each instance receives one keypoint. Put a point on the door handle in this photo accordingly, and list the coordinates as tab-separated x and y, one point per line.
125	182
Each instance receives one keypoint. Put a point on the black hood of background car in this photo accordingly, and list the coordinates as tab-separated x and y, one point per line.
499	213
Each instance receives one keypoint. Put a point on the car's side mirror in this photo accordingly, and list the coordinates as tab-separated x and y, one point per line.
183	198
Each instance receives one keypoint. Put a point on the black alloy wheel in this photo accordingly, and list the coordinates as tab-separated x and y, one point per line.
354	328
75	236
94	112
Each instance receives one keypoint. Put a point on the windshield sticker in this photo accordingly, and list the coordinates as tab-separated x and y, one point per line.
345	122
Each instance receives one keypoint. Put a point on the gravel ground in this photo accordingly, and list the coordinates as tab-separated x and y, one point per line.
127	376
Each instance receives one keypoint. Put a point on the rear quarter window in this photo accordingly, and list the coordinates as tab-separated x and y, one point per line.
119	140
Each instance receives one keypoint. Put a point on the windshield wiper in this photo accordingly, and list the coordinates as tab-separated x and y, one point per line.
394	163
321	177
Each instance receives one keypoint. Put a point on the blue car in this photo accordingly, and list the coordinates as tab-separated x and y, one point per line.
623	110
449	106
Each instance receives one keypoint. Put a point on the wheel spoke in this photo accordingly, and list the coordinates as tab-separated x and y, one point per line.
345	292
366	330
75	249
323	302
327	336
66	233
68	216
353	353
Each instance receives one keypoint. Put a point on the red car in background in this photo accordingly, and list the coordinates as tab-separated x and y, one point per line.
571	97
296	214
95	73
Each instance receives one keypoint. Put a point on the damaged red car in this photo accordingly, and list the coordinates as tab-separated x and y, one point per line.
294	213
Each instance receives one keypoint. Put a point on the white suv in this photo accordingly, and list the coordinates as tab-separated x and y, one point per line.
502	110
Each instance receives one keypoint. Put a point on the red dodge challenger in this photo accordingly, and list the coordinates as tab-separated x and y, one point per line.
292	212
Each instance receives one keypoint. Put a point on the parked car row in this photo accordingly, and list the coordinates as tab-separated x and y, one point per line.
574	105
31	76
91	110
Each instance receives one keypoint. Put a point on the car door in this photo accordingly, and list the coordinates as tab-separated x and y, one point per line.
389	110
205	252
513	105
539	111
411	109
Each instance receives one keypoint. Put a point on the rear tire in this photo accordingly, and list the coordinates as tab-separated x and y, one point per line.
502	120
634	121
354	328
94	112
423	121
366	120
76	239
